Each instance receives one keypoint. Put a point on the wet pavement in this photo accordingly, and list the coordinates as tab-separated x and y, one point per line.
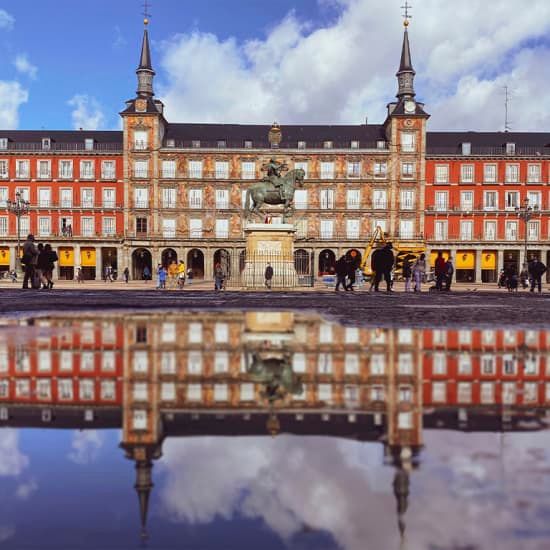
230	429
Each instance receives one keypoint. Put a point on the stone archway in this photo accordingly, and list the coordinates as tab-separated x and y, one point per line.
141	258
223	257
327	262
302	262
168	256
195	262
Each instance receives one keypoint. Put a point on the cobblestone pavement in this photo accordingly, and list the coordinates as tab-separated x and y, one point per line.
453	309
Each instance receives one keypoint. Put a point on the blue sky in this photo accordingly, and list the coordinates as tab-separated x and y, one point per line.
70	63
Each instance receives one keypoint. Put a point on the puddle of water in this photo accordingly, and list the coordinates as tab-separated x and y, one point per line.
273	430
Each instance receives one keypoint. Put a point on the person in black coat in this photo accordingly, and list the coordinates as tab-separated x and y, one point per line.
268	276
536	270
341	272
382	264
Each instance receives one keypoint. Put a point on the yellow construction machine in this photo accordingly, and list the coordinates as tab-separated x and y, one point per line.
401	251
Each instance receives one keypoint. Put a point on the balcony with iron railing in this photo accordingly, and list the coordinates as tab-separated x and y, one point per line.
141	204
499	151
498	237
63	147
140	174
140	145
454	208
378	146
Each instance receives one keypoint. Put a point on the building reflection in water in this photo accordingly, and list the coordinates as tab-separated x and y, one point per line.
160	375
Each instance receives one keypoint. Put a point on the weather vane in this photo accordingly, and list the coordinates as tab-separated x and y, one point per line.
146	13
406	15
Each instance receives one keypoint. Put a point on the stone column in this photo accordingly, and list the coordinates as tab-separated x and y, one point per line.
98	264
208	264
500	260
13	256
478	256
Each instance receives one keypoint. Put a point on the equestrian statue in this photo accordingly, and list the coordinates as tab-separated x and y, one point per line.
274	189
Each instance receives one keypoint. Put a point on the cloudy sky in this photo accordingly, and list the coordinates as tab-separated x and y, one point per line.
325	61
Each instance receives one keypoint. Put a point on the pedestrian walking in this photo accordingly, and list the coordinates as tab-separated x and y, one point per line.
39	279
79	275
449	272
29	260
419	270
407	273
161	277
268	276
525	274
383	265
172	275
49	266
146	274
511	278
181	274
126	274
341	271
219	277
536	270
350	273
189	275
440	272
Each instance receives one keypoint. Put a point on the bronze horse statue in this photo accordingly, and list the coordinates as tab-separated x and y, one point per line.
266	192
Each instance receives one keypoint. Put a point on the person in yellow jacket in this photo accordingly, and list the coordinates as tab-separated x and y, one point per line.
172	275
181	274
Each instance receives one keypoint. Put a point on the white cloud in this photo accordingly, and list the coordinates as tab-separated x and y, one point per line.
85	446
12	460
7	21
463	55
119	40
24	66
6	532
26	489
87	113
12	96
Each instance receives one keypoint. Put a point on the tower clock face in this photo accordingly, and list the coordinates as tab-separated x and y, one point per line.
410	106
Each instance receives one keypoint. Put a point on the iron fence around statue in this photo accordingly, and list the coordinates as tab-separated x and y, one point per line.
285	272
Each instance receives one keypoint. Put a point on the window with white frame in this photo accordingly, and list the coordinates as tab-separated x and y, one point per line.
325	333
381	223
247	392
109	198
65	389
195	169
22	388
377	393
44	389
168	197
380	169
4	389
354	169
490	230
407	199
508	393
464	393
488	365
22	169
141	169
300	199
86	169
327	144
533	173
168	362
405	364
65	360
439	392
490	200
195	228
194	392
141	197
351	364
222	229
407	170
511	230
24	225
406	229
467	173
466	230
168	228
490	173
87	198
327	170
441	173
377	364
108	390
325	393
44	169
65	169
44	197
512	173
3	143
379	199
405	394
439	337
530	392
534	199
222	198
351	335
107	361
465	364
531	365
221	333
141	139
86	390
195	333
466	201
439	364
248	170
487	392
139	419
222	169
509	364
195	198
352	228
168	391
44	360
168	169
3	226
512	200
299	362
441	200
407	142
108	170
327	227
353	198
326	198
44	226
87	227
324	363
24	192
4	169
221	361
221	392
303	165
533	230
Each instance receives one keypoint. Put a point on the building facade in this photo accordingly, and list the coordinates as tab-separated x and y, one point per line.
159	191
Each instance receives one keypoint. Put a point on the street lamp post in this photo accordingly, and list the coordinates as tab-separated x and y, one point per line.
18	207
526	212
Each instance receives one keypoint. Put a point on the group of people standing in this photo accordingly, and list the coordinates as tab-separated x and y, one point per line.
39	263
530	276
346	268
171	277
444	271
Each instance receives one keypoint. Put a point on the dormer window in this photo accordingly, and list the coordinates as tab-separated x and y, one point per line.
89	144
466	148
221	143
3	143
380	144
510	148
247	144
301	145
327	144
354	145
170	143
46	144
196	143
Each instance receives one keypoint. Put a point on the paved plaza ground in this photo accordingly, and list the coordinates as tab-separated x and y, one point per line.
466	306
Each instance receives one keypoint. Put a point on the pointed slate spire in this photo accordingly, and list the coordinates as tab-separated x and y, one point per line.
145	72
405	74
143	487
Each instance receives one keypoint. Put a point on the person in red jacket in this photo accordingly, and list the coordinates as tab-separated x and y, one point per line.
440	271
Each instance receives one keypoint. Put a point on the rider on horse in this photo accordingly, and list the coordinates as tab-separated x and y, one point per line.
274	174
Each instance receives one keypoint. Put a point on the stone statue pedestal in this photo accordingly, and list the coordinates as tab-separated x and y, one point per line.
271	243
